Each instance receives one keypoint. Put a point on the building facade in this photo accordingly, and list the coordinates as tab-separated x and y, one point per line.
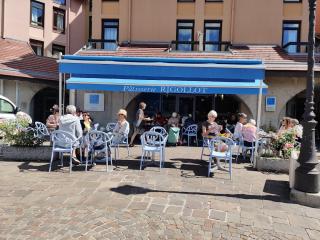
36	31
274	31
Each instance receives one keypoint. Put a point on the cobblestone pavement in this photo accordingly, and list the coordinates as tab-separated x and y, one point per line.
178	202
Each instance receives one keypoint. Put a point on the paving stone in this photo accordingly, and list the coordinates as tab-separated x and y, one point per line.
173	210
218	215
156	208
313	234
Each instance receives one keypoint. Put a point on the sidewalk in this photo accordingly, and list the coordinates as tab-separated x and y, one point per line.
179	202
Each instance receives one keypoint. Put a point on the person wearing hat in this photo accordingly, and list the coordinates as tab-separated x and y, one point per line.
52	122
122	127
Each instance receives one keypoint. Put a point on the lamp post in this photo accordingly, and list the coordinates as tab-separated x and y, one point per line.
307	175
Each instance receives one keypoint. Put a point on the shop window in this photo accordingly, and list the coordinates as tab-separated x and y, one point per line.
37	13
58	19
37	47
291	34
61	2
212	35
110	32
185	32
56	49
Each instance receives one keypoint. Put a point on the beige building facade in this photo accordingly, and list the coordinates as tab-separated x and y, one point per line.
259	28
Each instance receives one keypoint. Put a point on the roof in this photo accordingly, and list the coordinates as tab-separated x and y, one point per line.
274	57
17	59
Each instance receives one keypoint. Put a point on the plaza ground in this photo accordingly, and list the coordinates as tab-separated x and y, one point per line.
178	202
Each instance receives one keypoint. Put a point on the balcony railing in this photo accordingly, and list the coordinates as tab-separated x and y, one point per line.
296	47
187	46
207	46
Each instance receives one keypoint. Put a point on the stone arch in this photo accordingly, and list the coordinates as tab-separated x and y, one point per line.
42	101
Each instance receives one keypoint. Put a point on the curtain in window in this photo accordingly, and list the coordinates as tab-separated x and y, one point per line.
60	22
185	35
110	34
212	35
290	36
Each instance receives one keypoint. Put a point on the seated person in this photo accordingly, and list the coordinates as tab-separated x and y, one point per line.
249	133
173	120
210	128
86	123
159	120
70	123
188	121
52	122
286	125
297	129
238	128
122	127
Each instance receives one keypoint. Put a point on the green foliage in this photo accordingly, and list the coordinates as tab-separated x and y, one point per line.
284	144
17	133
269	128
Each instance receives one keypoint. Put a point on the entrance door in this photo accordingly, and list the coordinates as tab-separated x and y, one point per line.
186	106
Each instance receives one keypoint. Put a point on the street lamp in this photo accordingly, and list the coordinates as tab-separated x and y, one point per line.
307	175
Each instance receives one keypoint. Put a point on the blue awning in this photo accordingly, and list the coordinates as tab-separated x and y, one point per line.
166	87
219	70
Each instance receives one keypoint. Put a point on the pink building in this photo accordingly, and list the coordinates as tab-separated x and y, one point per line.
38	27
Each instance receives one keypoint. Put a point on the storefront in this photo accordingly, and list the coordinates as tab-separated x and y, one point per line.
184	85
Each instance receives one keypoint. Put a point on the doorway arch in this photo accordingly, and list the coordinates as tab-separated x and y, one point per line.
42	101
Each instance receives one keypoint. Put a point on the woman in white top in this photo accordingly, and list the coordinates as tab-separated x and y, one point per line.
122	127
238	129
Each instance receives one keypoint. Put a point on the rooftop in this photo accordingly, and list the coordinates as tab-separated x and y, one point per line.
274	57
17	59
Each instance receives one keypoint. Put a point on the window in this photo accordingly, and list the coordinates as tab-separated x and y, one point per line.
37	47
90	5
6	107
185	32
61	2
58	19
110	32
291	34
90	27
37	13
56	49
212	33
292	1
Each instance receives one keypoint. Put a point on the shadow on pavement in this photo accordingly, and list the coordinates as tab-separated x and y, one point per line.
283	197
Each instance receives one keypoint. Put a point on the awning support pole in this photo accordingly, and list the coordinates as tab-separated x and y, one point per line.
60	88
258	123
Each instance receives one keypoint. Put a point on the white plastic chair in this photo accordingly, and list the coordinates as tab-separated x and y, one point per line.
64	142
123	141
41	130
215	146
245	149
153	142
99	142
95	126
205	144
190	131
160	130
110	127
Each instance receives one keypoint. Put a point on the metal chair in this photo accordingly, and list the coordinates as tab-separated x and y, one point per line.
205	144
215	146
64	142
110	127
245	149
190	131
153	142
99	142
41	131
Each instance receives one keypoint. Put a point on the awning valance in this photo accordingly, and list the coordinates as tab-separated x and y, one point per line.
166	87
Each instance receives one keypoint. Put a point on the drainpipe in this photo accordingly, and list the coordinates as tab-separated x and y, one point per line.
233	3
17	93
68	26
2	18
129	19
1	87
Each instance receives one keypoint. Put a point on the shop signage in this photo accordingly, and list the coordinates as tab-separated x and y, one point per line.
94	102
167	89
271	103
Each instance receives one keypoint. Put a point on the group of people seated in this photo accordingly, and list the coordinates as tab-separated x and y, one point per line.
79	123
291	125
